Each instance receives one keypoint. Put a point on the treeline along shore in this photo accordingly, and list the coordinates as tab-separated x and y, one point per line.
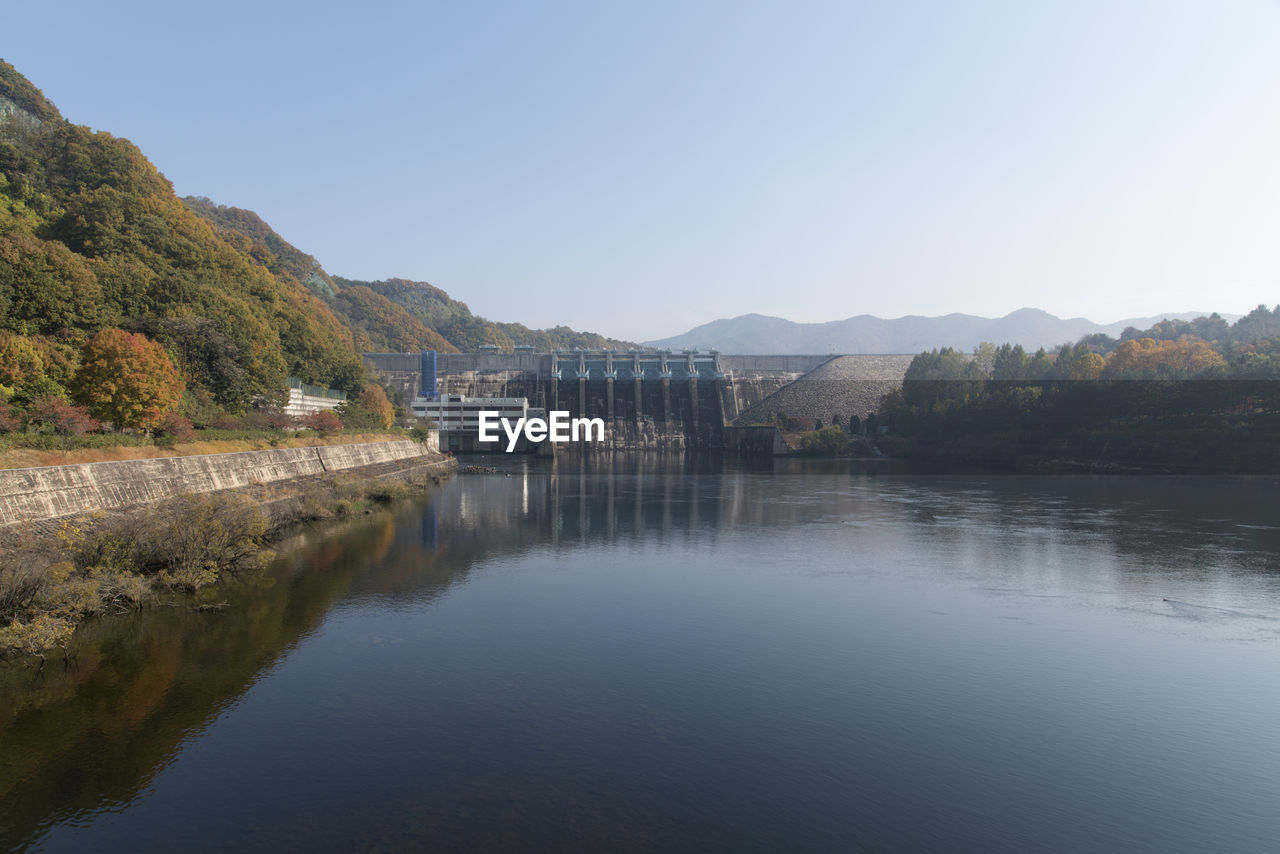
1184	397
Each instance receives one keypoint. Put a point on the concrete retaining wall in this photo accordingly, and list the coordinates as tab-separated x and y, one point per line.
756	441
28	495
304	404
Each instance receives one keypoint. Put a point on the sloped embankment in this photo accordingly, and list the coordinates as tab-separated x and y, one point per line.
32	495
843	386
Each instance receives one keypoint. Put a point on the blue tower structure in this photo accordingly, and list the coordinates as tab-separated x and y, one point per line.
428	389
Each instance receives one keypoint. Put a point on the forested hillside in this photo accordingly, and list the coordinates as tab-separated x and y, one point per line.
93	237
377	324
395	315
93	240
454	320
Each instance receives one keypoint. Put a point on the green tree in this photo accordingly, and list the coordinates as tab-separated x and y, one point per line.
1010	363
127	379
825	442
1041	366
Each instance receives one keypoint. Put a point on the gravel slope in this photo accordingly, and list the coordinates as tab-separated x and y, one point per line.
844	386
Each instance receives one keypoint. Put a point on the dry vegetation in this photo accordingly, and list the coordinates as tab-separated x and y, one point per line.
110	563
15	458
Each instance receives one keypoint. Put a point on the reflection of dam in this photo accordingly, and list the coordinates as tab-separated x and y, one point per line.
647	497
648	399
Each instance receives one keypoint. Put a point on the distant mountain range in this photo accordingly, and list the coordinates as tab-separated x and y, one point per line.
1030	327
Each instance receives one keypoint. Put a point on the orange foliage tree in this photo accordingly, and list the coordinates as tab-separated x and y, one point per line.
1147	359
373	400
127	379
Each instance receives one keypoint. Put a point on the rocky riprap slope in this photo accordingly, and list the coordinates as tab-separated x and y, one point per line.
844	386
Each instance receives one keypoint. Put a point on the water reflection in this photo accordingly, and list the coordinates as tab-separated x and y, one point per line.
1203	552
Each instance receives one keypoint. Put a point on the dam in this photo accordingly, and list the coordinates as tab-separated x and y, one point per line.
648	399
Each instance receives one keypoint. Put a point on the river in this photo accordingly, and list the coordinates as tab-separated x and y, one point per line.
651	654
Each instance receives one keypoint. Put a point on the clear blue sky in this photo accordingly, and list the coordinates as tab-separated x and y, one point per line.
636	169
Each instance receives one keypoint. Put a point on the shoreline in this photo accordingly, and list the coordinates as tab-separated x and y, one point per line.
34	495
56	573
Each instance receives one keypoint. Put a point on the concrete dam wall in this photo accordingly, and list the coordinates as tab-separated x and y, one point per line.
48	492
649	399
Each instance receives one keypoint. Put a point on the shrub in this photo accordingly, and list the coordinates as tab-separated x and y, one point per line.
60	416
323	422
119	591
269	418
42	633
174	428
828	441
199	406
788	423
204	537
226	421
20	584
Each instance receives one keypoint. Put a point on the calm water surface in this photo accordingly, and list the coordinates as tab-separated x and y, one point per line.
650	655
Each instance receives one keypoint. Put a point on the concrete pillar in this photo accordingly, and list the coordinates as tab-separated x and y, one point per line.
582	398
693	402
720	388
639	397
666	400
608	398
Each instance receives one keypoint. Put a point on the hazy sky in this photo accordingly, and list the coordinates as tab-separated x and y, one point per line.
636	169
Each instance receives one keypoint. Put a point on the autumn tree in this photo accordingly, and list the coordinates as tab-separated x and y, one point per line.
374	401
127	379
370	410
19	359
1146	358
